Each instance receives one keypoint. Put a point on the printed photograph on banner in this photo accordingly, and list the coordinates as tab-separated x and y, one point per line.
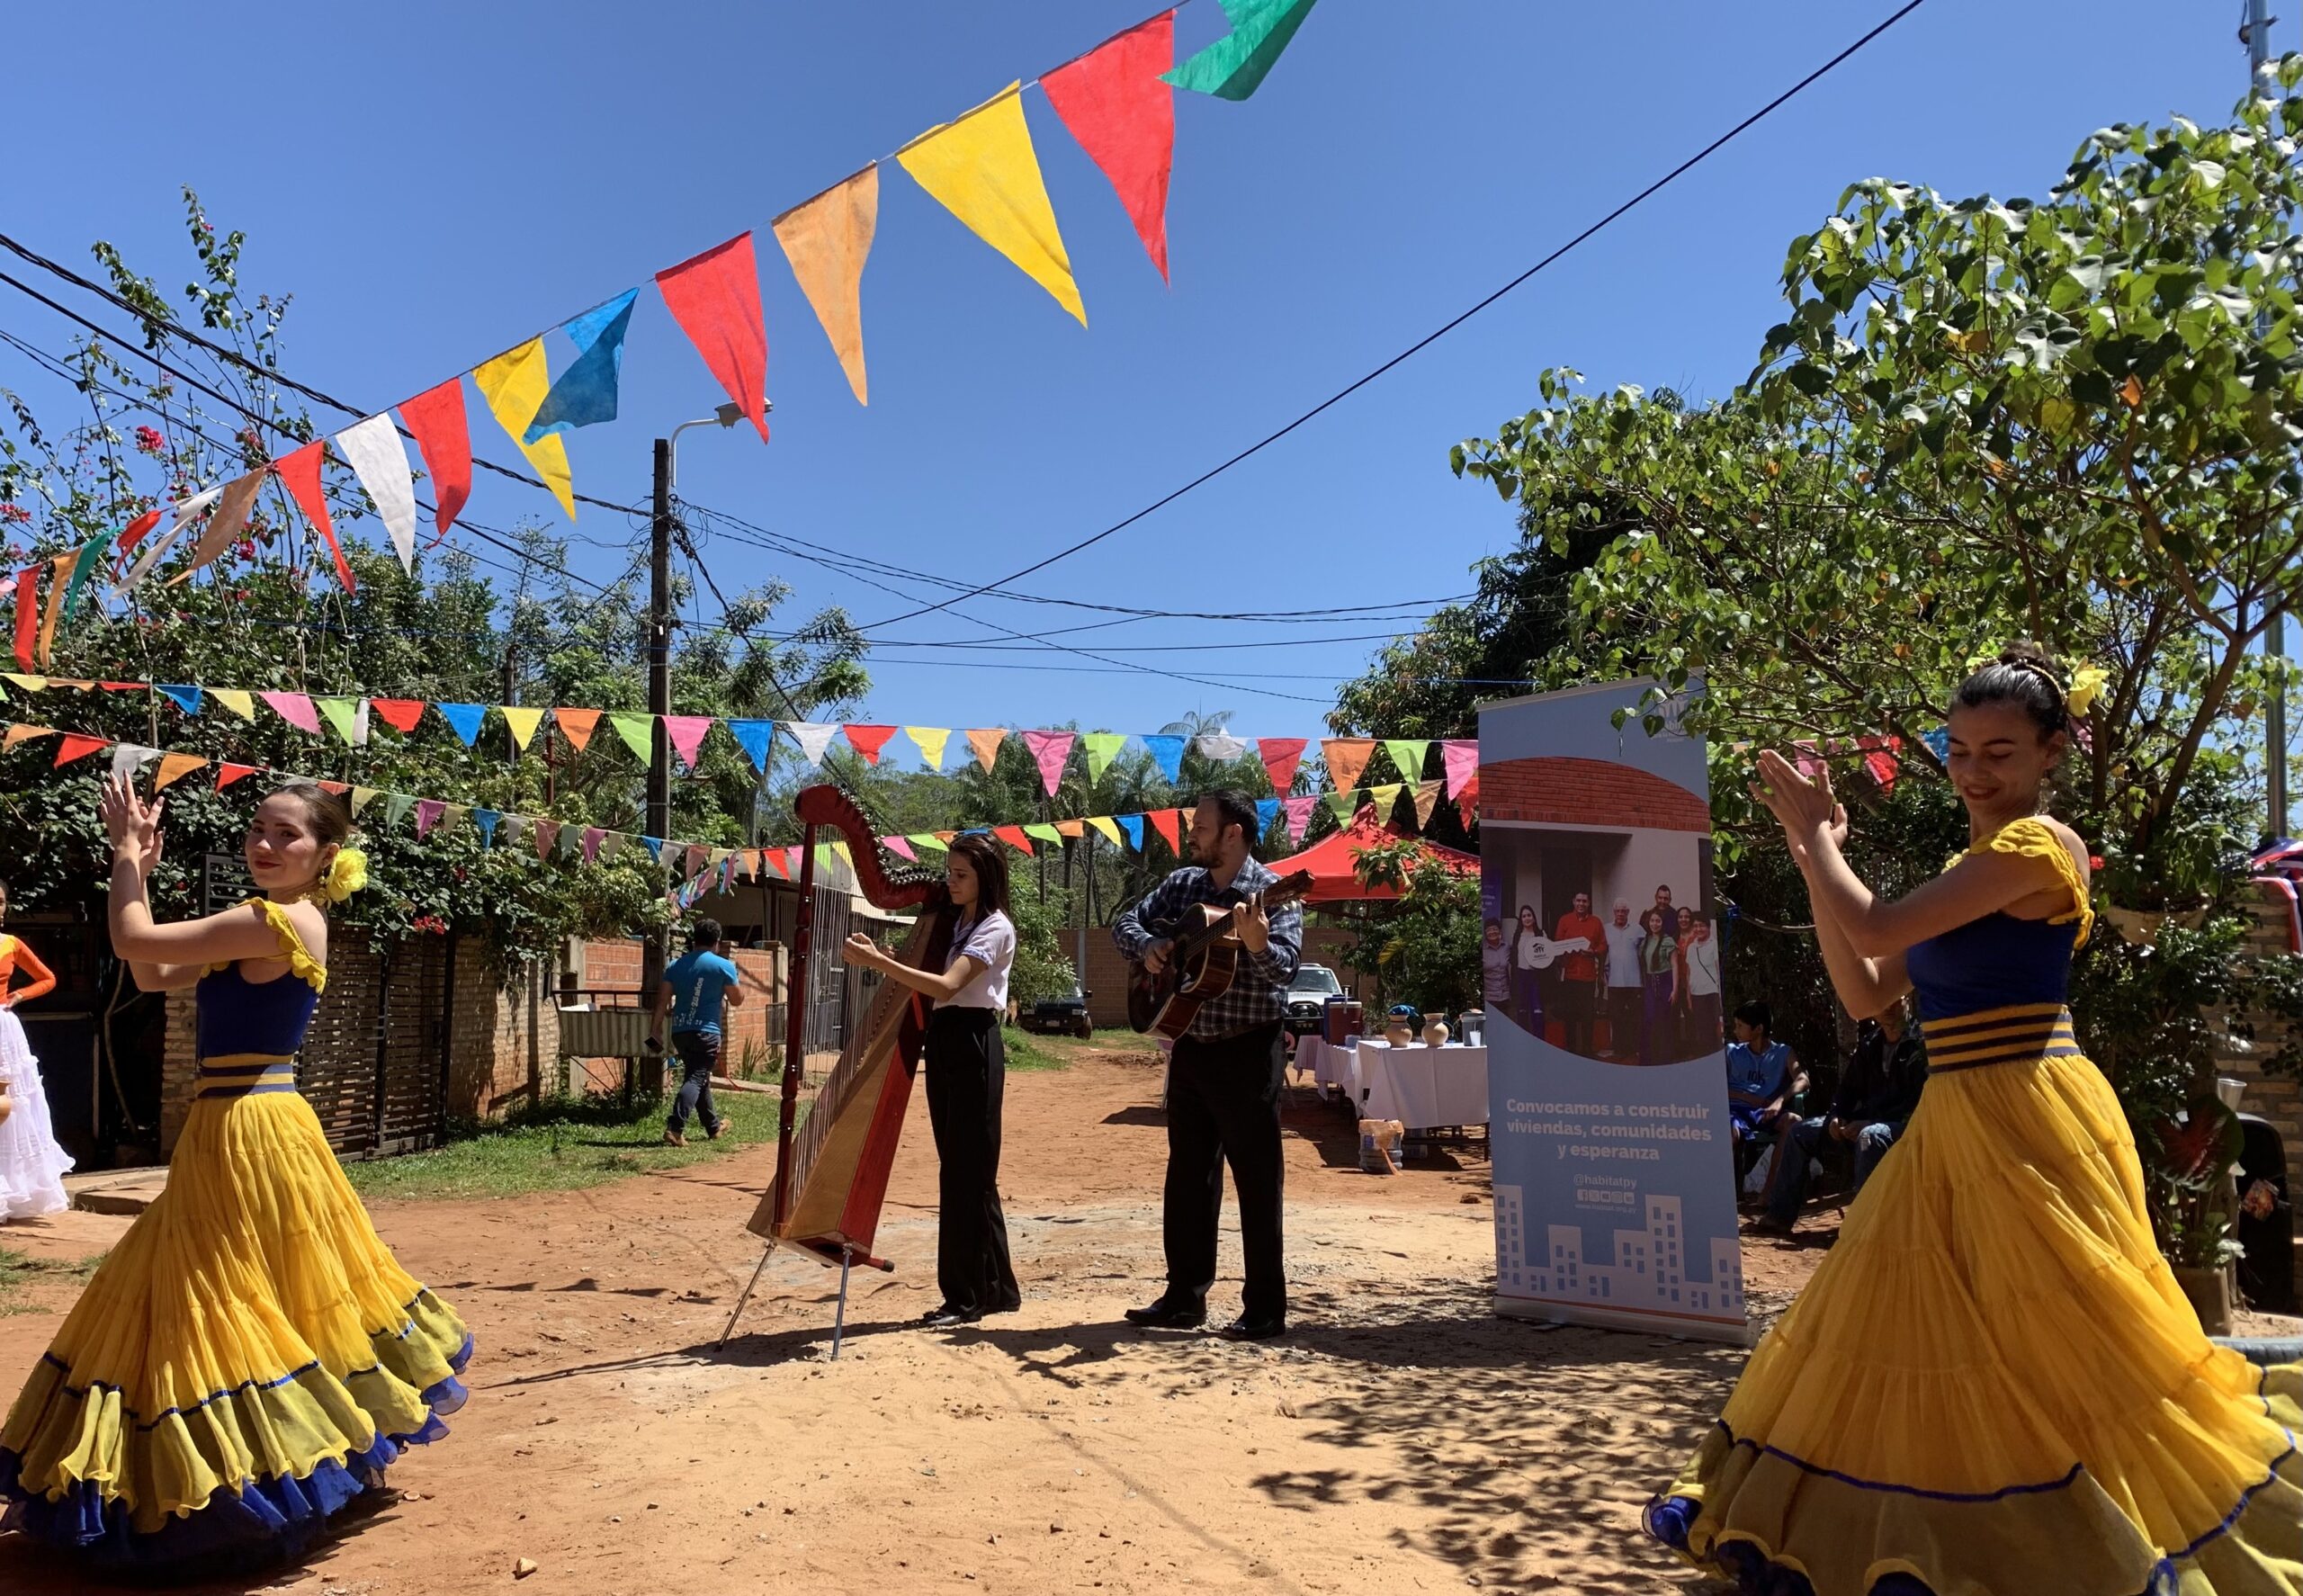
1601	941
1614	1157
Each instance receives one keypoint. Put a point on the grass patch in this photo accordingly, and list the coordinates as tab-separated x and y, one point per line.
17	1272
578	1142
1027	1052
562	1145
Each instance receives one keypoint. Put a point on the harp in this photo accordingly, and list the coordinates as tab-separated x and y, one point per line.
832	1164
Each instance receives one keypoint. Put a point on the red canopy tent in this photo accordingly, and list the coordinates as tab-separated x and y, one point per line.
1333	861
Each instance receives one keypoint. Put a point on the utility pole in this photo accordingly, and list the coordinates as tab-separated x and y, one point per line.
659	690
2255	35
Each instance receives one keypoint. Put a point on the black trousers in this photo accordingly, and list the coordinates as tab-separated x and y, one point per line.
1223	1106
699	1055
967	1078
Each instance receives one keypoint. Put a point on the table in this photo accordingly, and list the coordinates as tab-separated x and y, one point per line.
1329	1063
1420	1086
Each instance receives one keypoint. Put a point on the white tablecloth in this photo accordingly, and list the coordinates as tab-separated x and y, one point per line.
1419	1087
1327	1062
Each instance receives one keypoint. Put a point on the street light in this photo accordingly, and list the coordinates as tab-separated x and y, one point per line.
659	656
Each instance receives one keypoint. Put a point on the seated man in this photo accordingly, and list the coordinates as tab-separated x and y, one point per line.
1761	1072
1877	1093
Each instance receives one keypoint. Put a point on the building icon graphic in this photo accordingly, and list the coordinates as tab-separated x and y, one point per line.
1649	1272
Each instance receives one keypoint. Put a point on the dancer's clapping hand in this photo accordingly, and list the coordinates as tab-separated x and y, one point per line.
132	824
1805	806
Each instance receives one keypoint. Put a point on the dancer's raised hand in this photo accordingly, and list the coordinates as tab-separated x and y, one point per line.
134	825
1803	805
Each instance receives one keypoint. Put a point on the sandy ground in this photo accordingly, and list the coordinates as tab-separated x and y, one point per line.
1402	1439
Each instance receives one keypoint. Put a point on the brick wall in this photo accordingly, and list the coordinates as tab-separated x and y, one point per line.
505	1042
179	1064
1107	974
2279	1101
1584	793
613	967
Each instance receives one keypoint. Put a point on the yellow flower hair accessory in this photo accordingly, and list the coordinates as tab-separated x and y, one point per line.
2087	684
346	875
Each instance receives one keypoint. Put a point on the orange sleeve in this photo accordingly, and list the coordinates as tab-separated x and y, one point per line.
42	979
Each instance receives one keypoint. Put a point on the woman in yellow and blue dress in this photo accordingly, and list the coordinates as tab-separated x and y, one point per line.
249	1358
1992	1385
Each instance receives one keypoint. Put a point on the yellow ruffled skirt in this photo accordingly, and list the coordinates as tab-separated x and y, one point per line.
1993	1384
244	1363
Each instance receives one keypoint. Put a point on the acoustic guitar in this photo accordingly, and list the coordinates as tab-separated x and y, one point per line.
1201	963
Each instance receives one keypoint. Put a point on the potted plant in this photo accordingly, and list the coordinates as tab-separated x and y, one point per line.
2196	1203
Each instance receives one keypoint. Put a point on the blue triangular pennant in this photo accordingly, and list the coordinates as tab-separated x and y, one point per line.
465	718
1168	751
655	847
187	699
486	819
756	736
1132	824
586	392
1267	812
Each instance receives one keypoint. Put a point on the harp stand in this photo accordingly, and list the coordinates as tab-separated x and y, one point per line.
750	1287
839	1315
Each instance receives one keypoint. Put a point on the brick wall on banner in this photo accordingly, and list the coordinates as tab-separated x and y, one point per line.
1587	793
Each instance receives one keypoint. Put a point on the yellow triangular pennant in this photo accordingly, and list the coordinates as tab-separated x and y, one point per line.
1107	826
513	385
237	700
983	169
522	722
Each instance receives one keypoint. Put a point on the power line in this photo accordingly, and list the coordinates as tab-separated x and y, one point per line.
844	560
980	645
176	329
261	419
1428	339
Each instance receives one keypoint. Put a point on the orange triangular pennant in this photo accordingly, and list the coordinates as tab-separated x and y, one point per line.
17	734
576	725
174	766
986	740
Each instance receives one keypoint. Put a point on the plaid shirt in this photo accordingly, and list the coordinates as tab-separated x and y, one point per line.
1258	995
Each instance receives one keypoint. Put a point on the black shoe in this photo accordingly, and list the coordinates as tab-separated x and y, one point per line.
1244	1329
946	1316
1165	1314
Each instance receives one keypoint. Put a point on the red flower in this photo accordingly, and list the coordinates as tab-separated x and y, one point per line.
15	513
150	441
2095	861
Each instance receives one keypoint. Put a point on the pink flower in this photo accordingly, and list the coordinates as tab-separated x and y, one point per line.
15	513
150	441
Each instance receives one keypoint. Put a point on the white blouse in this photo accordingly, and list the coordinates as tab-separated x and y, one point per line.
991	939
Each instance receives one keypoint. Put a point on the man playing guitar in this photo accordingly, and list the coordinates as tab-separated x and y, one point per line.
1224	1088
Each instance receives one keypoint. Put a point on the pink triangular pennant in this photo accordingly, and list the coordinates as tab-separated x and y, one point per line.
428	811
899	848
593	837
296	709
546	835
1299	814
687	732
1461	755
1051	748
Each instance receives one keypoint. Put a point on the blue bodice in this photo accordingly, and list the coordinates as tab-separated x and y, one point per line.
239	1015
1999	961
1991	963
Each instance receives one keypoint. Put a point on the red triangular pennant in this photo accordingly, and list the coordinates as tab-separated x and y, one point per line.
437	417
132	535
1281	754
300	473
1114	104
868	741
400	714
1013	836
76	746
226	773
715	298
1165	822
337	789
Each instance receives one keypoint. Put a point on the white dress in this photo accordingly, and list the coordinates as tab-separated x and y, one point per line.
31	1165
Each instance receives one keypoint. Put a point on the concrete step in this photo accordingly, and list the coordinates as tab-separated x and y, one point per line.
116	1191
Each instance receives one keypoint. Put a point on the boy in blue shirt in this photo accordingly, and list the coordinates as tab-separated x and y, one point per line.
696	986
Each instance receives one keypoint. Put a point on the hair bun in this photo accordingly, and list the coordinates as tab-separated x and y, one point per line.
2028	654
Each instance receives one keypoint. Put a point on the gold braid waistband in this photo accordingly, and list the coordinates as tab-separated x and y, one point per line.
241	1074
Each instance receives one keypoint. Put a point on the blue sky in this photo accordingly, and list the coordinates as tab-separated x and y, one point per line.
438	187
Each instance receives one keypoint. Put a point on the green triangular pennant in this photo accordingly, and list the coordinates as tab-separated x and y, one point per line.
638	731
1232	67
1407	757
1101	748
396	807
343	714
1045	832
1342	805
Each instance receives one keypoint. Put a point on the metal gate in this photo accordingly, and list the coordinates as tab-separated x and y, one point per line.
375	1063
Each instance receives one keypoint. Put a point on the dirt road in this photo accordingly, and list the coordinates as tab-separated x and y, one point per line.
1403	1438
